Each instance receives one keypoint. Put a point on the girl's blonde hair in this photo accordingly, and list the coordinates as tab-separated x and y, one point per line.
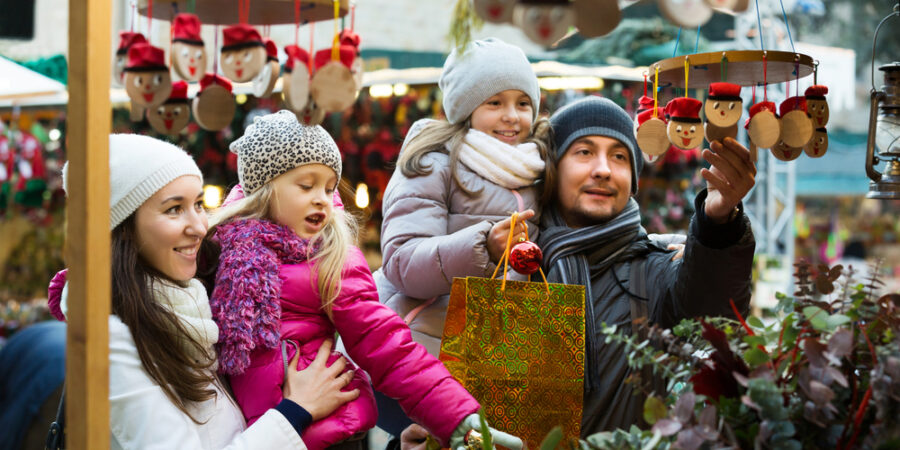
442	136
334	241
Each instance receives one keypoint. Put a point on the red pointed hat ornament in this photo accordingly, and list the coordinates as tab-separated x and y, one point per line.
684	129
147	80
265	80
243	52
188	53
126	40
295	82
214	106
644	103
174	114
763	127
817	106
796	128
723	106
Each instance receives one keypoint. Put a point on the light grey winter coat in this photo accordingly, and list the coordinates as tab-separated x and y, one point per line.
433	232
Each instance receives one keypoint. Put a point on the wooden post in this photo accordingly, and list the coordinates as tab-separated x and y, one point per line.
87	236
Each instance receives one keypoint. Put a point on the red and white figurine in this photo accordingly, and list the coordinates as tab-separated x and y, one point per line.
188	53
147	79
544	21
243	53
213	107
685	129
295	81
763	126
818	145
126	40
265	80
796	127
817	106
174	114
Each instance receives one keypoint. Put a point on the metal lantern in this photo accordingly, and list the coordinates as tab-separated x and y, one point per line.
884	130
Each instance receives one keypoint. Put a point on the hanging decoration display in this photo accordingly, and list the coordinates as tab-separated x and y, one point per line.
295	81
784	152
147	80
652	136
818	145
333	87
796	126
684	128
174	114
126	40
544	21
214	106
494	11
763	127
816	105
188	53
243	53
595	18
265	80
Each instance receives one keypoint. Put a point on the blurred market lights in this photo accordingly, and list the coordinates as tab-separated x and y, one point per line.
362	196
212	196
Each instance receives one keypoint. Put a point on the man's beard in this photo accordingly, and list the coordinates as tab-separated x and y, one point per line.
580	217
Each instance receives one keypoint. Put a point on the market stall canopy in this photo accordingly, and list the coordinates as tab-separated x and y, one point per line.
18	83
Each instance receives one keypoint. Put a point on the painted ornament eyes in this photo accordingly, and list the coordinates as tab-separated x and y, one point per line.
716	105
177	111
557	14
229	59
693	128
248	56
731	106
138	81
161	110
198	54
185	52
678	129
157	80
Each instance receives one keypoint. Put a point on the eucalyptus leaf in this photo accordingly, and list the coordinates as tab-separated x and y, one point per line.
654	409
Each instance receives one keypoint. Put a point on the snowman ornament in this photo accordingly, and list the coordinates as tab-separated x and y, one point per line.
244	53
684	128
174	114
147	80
723	109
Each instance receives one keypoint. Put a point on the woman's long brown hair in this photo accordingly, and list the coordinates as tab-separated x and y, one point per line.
162	341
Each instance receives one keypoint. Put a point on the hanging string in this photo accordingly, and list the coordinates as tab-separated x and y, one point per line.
816	72
697	42
765	78
312	32
677	39
352	15
645	84
216	51
753	101
244	11
133	13
762	45
723	67
149	19
334	46
655	90
797	72
786	24
297	22
686	71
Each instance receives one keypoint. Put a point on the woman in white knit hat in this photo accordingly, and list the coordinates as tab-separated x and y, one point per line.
164	391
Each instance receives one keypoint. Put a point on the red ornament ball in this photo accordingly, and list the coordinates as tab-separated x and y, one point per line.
525	257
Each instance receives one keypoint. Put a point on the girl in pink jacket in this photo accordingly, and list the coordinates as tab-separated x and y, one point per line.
289	277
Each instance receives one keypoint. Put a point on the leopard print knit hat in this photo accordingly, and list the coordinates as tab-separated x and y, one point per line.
276	143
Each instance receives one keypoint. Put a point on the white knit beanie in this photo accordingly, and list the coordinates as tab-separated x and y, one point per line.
485	68
276	143
139	166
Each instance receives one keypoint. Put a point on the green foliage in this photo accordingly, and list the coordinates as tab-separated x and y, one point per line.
464	21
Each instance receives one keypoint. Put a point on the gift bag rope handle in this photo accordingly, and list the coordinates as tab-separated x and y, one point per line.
504	260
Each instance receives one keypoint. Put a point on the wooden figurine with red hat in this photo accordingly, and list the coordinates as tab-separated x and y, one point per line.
188	53
652	136
295	81
243	52
816	105
763	127
126	40
544	21
147	79
350	38
333	87
684	128
686	13
723	109
264	82
495	11
213	107
311	114
784	152
174	114
818	145
796	127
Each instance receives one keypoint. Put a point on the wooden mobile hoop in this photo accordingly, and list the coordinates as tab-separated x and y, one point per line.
267	12
742	67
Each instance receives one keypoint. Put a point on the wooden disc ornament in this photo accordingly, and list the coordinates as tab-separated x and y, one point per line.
595	18
332	86
783	152
312	114
763	127
147	80
174	114
188	53
120	61
818	145
651	134
213	107
244	53
684	130
686	13
351	39
295	81
714	133
265	80
544	21
495	11
816	105
723	106
796	127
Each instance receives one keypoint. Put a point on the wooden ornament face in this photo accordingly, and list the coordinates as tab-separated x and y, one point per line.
333	87
722	4
213	108
764	129
595	18
356	69
495	11
818	145
714	133
312	114
265	80
169	118
148	89
741	6
686	13
651	158
296	93
243	64
818	110
784	153
544	24
796	129
723	113
189	61
119	62
685	135
652	138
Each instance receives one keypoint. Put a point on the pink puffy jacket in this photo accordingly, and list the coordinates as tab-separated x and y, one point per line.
375	338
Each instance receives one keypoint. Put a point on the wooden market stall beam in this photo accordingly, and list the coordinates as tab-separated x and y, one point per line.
87	234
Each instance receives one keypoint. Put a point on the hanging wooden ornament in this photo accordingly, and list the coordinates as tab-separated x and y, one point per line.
351	39
147	80
686	13
544	21
295	81
685	128
723	106
188	53
714	133
595	18
244	53
495	11
818	145
265	80
213	107
333	87
312	114
783	152
174	114
651	135
763	127
796	127
723	4
816	105
126	40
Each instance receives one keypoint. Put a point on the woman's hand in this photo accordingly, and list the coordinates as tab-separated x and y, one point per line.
317	388
496	240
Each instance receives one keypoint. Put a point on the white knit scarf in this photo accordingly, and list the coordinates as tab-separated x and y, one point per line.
510	166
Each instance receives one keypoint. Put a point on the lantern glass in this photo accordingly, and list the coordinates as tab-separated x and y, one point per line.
887	133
